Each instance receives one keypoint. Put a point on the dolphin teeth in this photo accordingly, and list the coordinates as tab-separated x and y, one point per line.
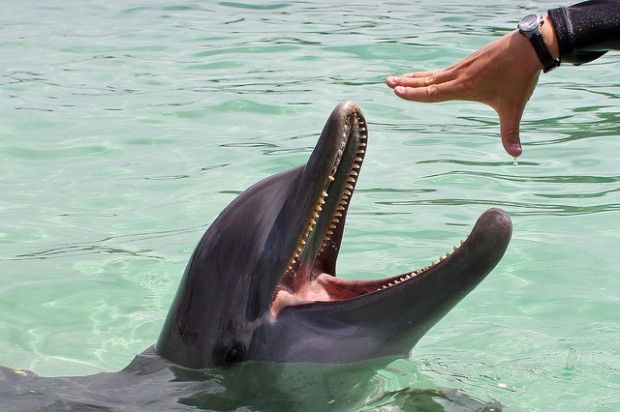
348	186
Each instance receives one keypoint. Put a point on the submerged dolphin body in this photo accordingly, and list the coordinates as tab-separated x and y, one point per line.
261	285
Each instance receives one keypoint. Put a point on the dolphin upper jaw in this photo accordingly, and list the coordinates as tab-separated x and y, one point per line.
303	281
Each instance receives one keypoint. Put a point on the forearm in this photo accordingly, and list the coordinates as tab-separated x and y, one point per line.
585	31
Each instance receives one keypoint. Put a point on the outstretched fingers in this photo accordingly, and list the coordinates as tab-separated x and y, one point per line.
434	86
435	92
420	79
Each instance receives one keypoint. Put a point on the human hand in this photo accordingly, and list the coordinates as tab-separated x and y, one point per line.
502	74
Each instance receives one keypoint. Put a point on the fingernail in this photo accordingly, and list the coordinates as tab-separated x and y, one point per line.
399	89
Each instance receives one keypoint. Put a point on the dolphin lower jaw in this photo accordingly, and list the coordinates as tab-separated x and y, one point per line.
316	285
336	320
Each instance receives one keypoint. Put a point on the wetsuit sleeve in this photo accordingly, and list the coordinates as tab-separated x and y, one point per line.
585	31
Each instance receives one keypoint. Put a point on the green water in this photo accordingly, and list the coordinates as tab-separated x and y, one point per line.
125	127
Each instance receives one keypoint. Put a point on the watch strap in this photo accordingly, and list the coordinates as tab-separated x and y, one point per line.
544	55
538	42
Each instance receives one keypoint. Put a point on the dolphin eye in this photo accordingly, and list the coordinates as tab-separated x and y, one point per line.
234	354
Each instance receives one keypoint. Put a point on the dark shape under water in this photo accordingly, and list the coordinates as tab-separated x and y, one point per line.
261	288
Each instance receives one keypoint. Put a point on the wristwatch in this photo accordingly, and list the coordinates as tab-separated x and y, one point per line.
529	26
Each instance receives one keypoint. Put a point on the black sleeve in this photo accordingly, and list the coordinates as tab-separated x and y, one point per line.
587	30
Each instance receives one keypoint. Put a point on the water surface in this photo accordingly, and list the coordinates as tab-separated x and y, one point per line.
126	126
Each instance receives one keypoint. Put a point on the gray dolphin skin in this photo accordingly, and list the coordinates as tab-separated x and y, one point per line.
261	288
261	284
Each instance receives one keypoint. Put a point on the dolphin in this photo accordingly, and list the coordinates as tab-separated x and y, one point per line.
261	286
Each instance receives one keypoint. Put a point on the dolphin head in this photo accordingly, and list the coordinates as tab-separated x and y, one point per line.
261	283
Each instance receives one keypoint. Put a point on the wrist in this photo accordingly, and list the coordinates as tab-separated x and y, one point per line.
531	27
551	39
523	51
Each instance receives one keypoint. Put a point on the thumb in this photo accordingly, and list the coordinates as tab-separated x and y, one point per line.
509	128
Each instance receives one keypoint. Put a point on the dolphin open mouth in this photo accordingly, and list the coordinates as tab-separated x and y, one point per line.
311	274
272	252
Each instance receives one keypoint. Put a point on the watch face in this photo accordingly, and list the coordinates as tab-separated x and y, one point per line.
529	22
